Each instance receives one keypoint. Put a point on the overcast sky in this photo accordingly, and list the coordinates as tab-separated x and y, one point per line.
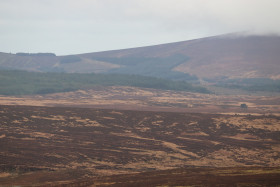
72	26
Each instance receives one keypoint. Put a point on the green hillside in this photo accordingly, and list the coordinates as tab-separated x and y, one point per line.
150	66
21	82
252	84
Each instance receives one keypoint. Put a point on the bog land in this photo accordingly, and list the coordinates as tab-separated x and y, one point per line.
80	146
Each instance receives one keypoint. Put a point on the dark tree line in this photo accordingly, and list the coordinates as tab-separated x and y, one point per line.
36	54
22	82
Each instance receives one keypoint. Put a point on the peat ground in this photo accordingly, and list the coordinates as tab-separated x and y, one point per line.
44	145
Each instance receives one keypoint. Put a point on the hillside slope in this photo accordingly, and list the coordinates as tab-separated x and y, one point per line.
216	58
46	63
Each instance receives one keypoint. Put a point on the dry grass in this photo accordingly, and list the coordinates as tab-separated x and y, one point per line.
4	174
122	97
105	142
244	123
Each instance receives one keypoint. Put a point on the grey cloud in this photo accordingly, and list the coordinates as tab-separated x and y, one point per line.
94	25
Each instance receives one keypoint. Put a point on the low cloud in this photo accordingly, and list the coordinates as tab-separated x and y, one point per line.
94	25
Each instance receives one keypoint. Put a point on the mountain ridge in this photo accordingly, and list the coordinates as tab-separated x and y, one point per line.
228	56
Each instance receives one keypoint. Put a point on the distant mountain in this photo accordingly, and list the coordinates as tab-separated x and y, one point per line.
52	63
213	58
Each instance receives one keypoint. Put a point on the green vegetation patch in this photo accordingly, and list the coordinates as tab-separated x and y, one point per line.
251	84
23	83
151	66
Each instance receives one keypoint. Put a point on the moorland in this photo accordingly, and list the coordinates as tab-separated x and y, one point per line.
84	143
178	114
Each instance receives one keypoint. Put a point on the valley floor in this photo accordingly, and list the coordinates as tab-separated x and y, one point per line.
144	99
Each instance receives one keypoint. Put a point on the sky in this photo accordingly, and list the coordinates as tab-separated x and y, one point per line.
73	27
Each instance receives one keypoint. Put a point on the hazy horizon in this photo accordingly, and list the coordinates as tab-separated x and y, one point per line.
72	27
